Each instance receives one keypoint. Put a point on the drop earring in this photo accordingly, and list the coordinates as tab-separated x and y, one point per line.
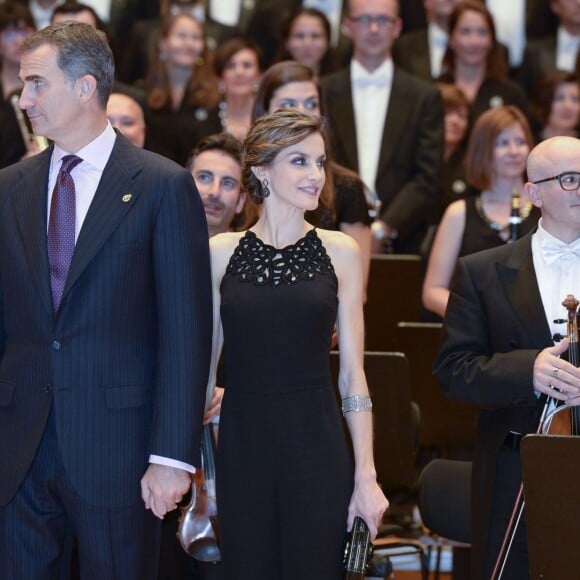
265	189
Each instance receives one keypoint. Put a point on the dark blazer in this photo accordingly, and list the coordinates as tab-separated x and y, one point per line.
411	53
411	150
493	329
124	363
539	58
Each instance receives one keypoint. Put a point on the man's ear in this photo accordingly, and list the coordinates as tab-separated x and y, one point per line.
533	192
87	86
241	201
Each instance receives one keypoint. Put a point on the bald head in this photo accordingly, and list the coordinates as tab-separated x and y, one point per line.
552	157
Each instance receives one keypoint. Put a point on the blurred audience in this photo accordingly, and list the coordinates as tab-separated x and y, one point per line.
78	12
126	115
476	63
495	163
555	107
236	65
556	52
16	23
456	124
386	125
180	85
306	37
421	51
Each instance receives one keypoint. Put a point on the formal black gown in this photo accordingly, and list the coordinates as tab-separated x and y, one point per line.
284	473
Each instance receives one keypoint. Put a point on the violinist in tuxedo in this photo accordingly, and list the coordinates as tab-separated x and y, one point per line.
498	350
105	327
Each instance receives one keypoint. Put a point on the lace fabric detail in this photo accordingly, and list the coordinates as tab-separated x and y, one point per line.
263	264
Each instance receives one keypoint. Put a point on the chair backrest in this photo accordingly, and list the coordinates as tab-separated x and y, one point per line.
445	424
445	498
387	375
393	294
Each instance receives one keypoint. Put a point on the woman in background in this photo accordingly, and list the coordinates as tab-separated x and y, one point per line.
343	204
476	63
456	128
306	39
556	105
236	64
495	164
286	488
180	85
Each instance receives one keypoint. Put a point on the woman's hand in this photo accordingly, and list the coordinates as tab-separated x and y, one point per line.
215	405
369	502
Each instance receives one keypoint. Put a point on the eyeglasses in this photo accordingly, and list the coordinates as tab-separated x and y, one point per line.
382	20
569	180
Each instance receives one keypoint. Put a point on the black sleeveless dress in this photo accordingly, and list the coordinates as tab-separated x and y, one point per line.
284	474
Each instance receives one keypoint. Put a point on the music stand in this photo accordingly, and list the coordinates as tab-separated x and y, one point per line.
551	473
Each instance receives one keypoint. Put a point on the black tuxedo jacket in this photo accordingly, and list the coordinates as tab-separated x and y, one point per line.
539	58
411	149
124	362
493	329
411	53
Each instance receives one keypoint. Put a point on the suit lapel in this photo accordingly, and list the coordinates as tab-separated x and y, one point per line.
114	197
518	278
30	212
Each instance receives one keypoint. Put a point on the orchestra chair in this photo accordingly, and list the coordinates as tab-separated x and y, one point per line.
550	473
445	508
448	427
395	428
393	294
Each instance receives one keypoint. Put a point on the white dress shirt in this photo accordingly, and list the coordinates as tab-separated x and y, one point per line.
438	39
86	177
370	97
41	15
557	276
510	26
226	12
566	50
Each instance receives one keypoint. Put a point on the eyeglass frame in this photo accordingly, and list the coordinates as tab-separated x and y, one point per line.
381	20
559	178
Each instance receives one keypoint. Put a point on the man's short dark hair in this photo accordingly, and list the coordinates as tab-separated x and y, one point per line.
82	50
220	142
76	7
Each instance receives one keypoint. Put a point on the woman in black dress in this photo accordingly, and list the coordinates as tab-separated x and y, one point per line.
286	488
495	165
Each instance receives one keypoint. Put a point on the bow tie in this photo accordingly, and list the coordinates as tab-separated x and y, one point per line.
552	250
379	81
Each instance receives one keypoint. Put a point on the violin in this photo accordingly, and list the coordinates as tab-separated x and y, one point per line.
197	532
556	419
565	419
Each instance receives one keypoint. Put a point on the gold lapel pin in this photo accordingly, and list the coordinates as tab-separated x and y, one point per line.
127	198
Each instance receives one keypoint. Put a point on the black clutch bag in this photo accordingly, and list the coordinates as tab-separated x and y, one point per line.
358	550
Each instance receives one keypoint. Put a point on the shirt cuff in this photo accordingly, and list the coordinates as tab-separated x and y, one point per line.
171	463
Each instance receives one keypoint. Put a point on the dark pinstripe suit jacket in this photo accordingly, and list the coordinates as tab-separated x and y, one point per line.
125	361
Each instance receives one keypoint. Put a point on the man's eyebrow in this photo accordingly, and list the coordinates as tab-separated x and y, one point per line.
31	78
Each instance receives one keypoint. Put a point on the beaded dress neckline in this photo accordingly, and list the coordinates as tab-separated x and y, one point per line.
262	264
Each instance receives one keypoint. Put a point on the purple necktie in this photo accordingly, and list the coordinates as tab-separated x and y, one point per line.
61	227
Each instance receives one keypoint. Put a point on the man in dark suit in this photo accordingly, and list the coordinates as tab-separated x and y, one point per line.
105	327
498	349
421	51
556	52
387	125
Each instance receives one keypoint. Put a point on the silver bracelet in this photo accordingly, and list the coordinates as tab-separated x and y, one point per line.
356	403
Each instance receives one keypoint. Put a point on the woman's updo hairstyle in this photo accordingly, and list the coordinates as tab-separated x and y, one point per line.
268	136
